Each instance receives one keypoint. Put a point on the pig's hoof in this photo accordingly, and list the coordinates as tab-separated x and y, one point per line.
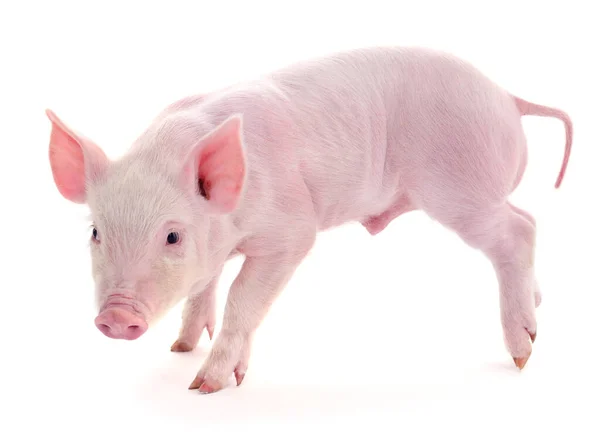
200	384
520	362
181	347
206	389
206	386
239	376
532	336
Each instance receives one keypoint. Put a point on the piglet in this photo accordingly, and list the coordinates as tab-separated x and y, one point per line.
260	168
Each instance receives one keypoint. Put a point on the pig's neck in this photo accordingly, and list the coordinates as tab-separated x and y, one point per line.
223	241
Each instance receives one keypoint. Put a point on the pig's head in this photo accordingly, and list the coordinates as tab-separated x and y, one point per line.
158	215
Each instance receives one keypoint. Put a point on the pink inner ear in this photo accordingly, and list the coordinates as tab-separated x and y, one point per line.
221	164
68	162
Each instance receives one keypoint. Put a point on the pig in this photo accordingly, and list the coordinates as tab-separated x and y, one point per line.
259	168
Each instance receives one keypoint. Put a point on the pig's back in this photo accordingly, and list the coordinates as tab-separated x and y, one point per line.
364	123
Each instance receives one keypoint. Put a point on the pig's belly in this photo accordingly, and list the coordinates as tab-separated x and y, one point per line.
355	208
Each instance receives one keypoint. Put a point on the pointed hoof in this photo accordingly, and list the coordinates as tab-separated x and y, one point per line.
239	377
181	347
198	381
206	389
520	362
532	336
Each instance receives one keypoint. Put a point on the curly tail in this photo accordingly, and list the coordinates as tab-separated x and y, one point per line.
529	108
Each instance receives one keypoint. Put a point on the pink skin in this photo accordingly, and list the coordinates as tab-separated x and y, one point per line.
260	168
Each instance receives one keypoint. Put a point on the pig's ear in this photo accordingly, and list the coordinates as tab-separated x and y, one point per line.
74	160
219	162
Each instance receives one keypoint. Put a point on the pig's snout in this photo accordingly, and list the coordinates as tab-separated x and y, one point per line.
118	323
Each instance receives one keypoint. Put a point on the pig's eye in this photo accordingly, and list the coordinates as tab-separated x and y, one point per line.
95	234
173	238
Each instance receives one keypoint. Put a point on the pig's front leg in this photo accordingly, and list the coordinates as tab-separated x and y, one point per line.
199	313
252	293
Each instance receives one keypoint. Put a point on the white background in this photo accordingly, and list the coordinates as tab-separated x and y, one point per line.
391	336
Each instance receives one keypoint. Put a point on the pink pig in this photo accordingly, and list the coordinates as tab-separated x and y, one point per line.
260	168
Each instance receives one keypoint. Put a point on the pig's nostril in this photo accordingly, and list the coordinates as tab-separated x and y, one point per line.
134	331
106	329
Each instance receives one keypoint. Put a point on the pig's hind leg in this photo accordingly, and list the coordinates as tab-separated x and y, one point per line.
507	238
531	219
